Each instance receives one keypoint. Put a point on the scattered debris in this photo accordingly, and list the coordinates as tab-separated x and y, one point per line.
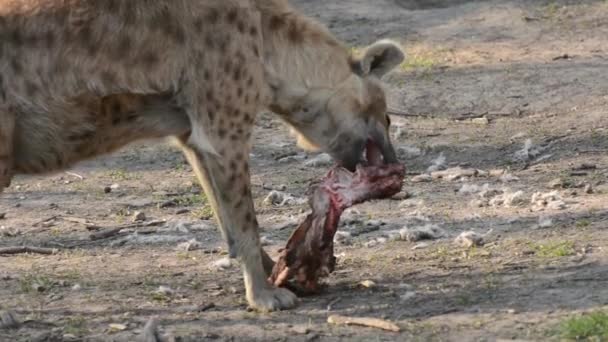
222	264
483	121
115	327
8	320
27	249
73	174
469	239
188	246
509	199
410	151
427	232
585	167
9	231
109	232
363	321
551	200
454	173
421	245
407	295
150	332
423	178
544	222
508	177
76	287
343	238
266	241
468	188
139	216
564	56
2	216
279	198
527	153
368	284
320	160
437	164
164	291
588	189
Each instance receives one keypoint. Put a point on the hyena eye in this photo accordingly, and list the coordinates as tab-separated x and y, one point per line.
388	120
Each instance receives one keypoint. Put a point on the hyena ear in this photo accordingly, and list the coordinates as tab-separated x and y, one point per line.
378	59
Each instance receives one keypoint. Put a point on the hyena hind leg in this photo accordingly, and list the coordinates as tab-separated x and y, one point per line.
7	127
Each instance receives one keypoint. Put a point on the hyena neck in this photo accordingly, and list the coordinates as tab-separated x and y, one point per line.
299	50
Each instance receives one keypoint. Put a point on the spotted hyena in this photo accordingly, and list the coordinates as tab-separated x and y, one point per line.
79	78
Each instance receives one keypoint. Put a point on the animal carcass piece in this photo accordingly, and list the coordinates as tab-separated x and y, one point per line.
309	254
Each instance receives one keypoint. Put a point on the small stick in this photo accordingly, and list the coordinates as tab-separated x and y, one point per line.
45	220
113	231
76	220
74	175
150	333
331	304
27	249
363	321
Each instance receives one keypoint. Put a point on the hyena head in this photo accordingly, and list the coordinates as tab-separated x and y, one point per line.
349	118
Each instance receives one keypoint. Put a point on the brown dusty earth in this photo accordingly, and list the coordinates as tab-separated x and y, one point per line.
519	86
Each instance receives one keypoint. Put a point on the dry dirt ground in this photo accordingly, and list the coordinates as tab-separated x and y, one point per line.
516	86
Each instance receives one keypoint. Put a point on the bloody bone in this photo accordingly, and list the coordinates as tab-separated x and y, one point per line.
309	254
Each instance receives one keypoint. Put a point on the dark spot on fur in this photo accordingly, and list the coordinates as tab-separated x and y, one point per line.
16	66
231	16
31	88
294	34
239	92
276	23
212	16
248	217
209	95
82	136
150	59
206	75
253	31
49	39
236	76
198	25
209	41
124	44
108	77
240	26
169	25
15	37
221	133
227	66
234	137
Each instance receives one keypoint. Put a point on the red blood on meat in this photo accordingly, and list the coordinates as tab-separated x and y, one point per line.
309	253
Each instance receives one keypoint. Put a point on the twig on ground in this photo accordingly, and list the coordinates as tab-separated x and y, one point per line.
106	233
45	220
363	321
400	113
150	333
331	304
74	175
27	249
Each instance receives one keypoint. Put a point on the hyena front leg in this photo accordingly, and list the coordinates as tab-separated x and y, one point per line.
226	182
7	127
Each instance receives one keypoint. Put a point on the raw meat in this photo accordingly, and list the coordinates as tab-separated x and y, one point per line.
309	254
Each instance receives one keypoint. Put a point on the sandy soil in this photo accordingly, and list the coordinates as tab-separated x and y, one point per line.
518	88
